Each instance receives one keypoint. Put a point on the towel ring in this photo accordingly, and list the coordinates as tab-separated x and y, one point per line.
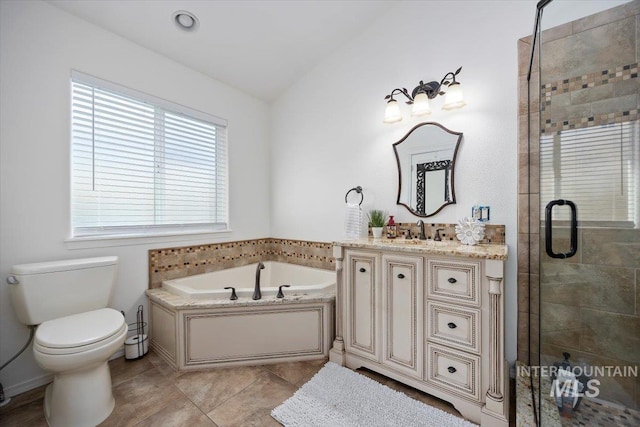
358	190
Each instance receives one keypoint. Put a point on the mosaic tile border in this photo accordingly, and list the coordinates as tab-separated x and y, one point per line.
590	80
595	120
598	78
173	263
494	233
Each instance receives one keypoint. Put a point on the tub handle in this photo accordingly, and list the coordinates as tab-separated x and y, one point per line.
233	293
280	294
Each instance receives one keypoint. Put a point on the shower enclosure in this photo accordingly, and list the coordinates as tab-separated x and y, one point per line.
579	210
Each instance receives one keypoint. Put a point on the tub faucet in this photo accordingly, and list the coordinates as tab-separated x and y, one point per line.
256	290
422	235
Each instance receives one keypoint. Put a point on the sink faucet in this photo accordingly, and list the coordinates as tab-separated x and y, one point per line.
422	235
437	238
256	290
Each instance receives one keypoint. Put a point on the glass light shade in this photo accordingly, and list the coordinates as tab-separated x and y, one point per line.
454	98
392	112
421	105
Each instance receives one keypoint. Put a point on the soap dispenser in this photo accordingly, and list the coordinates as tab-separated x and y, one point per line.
392	228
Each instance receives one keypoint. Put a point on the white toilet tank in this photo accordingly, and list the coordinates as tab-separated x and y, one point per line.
49	290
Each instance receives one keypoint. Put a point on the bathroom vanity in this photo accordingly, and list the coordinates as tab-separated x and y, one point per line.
428	314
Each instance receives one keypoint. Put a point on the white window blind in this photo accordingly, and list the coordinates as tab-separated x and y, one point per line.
142	165
597	168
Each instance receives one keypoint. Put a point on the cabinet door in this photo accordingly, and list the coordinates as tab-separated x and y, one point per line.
363	301
402	313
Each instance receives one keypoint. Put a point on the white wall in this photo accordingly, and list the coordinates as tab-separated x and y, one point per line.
328	136
39	45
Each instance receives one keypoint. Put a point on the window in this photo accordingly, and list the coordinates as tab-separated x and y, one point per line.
597	169
142	165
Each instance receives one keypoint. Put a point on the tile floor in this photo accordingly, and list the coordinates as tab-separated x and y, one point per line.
149	392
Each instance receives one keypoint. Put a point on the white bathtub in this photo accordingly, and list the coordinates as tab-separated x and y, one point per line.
302	280
195	325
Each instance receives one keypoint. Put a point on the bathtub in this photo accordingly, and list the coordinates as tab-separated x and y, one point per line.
194	324
303	280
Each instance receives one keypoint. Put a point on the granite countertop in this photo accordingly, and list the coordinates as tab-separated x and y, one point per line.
173	301
429	247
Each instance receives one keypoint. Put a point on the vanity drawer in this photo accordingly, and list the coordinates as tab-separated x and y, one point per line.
454	326
454	371
454	281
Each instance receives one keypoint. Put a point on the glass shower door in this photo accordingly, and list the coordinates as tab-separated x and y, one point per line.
589	183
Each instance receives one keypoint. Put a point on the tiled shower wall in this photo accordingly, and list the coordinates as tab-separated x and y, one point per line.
590	303
173	263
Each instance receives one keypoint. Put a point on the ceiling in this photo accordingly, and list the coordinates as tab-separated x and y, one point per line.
260	47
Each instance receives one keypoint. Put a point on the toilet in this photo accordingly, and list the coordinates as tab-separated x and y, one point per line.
76	335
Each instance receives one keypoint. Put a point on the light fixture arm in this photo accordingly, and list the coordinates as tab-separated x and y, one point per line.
402	91
432	89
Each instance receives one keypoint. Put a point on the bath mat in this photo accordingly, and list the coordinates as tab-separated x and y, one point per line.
339	397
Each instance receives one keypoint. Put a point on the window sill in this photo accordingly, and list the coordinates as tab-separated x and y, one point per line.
90	242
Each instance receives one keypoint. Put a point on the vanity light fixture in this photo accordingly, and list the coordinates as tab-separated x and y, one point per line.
421	94
186	21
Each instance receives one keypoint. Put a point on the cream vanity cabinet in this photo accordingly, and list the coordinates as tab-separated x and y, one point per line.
428	315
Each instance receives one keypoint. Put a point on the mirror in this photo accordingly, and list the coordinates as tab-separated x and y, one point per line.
426	158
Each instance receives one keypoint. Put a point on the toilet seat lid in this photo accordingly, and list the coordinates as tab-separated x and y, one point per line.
79	329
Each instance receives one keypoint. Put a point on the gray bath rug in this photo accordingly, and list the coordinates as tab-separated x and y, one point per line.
339	397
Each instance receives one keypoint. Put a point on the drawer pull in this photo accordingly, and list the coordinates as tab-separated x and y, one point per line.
452	280
452	325
400	276
451	369
362	270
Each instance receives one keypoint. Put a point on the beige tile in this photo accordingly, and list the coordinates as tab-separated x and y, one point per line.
30	414
523	333
253	405
161	365
24	399
613	105
558	317
626	87
557	32
592	94
141	397
611	335
297	373
208	389
180	412
607	16
123	370
533	96
589	286
611	247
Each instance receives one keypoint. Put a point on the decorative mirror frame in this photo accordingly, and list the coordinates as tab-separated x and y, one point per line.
439	165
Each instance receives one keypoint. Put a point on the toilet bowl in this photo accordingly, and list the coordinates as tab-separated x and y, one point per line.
76	335
76	349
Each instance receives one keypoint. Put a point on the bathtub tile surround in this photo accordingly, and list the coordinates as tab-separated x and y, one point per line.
173	263
493	233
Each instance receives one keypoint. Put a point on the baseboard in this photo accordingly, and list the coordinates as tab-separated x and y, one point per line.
25	386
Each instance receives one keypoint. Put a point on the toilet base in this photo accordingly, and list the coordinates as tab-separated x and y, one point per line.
79	398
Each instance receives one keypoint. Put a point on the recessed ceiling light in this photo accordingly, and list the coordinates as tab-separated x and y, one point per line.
186	21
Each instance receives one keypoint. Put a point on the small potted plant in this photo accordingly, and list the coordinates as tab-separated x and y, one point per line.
377	220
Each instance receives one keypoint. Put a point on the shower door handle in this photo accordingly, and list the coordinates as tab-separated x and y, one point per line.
548	229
